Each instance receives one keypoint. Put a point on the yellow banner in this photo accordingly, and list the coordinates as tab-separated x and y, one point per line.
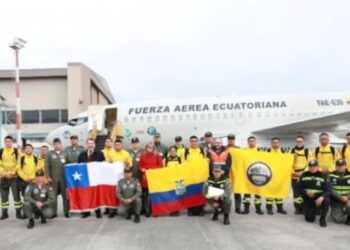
261	173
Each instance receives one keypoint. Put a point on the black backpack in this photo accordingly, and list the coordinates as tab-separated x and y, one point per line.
187	151
317	151
15	152
343	151
22	161
306	151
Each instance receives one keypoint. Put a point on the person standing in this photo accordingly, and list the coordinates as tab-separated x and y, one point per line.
135	153
208	142
302	156
345	151
218	155
180	148
172	159
275	149
44	150
314	188
246	197
159	146
325	154
150	159
91	155
54	163
108	151
193	154
8	174
26	168
73	151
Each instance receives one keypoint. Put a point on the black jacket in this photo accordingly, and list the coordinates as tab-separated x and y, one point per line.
96	156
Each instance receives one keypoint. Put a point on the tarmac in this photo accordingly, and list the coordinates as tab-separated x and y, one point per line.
245	232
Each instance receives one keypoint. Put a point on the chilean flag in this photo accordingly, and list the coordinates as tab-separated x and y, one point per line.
92	185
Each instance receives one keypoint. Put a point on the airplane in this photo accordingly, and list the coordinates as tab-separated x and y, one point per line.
264	117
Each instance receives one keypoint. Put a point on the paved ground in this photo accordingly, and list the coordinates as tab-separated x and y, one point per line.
245	232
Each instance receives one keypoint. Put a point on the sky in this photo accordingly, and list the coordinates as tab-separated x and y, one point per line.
158	49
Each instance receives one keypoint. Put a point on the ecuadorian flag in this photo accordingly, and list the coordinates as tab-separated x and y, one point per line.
179	187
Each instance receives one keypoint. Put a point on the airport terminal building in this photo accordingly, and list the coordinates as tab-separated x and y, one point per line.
51	96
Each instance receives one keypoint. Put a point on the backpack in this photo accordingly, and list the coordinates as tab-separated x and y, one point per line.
343	151
317	151
187	151
306	151
35	161
15	152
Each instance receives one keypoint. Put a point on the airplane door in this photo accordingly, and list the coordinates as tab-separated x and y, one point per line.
110	119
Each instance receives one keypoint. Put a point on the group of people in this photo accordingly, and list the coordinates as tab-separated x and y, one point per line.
320	178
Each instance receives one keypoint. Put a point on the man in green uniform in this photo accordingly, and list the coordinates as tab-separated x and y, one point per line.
9	179
218	202
340	193
135	152
73	151
129	194
39	199
54	163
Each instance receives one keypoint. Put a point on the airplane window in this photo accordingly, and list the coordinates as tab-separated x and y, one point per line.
299	114
232	115
259	114
194	116
126	120
218	116
188	117
267	114
133	119
240	115
157	118
165	118
78	121
210	116
283	113
141	118
225	115
180	117
202	116
149	118
172	118
250	115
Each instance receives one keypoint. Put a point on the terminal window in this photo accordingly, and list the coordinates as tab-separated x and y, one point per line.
30	116
64	115
50	116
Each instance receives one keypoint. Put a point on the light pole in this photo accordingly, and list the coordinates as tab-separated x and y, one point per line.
16	45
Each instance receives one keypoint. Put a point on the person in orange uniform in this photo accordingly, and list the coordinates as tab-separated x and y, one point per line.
150	159
325	154
302	156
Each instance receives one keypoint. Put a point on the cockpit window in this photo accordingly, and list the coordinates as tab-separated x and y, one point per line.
77	121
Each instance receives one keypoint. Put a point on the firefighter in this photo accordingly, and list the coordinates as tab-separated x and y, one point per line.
8	173
302	156
246	197
275	149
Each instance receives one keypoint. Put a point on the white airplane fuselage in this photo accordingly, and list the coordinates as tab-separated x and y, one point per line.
240	115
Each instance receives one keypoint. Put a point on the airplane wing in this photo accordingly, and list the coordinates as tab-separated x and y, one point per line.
318	124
